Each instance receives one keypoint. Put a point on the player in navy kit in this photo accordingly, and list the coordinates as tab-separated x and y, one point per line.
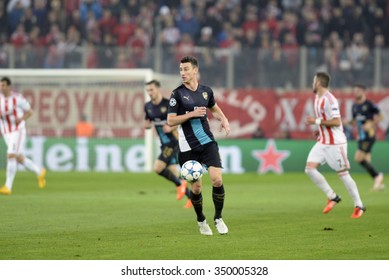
188	108
166	164
366	116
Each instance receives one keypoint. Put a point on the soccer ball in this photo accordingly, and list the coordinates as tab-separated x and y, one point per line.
191	171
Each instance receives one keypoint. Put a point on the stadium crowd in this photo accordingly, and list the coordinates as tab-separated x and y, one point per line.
50	31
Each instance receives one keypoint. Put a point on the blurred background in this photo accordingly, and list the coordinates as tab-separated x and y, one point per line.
259	56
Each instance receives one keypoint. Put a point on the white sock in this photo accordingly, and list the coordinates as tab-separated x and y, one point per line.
31	166
11	172
319	180
351	187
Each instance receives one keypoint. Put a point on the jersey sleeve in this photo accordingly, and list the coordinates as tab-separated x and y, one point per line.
332	110
374	109
23	104
212	101
147	117
173	103
354	111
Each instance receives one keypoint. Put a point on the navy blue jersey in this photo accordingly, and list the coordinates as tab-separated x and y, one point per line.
158	115
194	133
362	113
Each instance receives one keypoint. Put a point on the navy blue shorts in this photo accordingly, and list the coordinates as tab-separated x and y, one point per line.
169	154
208	155
366	145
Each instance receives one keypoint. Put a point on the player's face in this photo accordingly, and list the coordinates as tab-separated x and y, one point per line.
152	91
3	87
359	95
314	84
188	72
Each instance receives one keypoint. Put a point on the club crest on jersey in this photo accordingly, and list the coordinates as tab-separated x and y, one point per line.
205	95
172	102
163	109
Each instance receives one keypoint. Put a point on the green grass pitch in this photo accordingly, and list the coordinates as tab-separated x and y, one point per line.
123	216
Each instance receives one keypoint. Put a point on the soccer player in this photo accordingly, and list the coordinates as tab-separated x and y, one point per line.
331	146
366	115
188	108
166	164
14	110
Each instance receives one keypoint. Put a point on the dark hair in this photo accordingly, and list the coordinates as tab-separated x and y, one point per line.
324	78
191	60
154	82
362	87
7	80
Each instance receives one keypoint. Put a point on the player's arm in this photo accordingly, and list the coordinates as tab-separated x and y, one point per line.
219	115
27	115
169	129
173	119
378	117
349	122
328	123
147	124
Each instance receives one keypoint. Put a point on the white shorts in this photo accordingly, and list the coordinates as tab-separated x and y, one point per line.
334	155
15	141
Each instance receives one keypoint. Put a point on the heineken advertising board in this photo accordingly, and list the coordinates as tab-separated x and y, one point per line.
128	155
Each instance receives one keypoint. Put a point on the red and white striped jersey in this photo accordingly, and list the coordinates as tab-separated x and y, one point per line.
327	108
11	108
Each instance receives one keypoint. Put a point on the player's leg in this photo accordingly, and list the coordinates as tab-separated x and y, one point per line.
31	166
338	161
26	162
11	142
315	158
363	157
182	189
196	195
211	158
162	163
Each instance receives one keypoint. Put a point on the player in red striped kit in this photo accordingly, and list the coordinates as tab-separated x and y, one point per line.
331	146
14	111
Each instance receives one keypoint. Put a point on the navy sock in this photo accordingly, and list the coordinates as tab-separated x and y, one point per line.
369	168
197	201
218	195
170	176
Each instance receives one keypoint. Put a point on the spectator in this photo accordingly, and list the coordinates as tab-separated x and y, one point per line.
15	12
259	133
20	37
93	6
185	47
107	52
40	13
138	45
107	22
84	128
73	54
28	20
187	23
124	30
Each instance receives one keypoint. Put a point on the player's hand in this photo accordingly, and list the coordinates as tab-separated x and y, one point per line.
226	126
199	112
310	120
167	129
18	121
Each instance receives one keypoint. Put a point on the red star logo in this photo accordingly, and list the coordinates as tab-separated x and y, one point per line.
271	159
